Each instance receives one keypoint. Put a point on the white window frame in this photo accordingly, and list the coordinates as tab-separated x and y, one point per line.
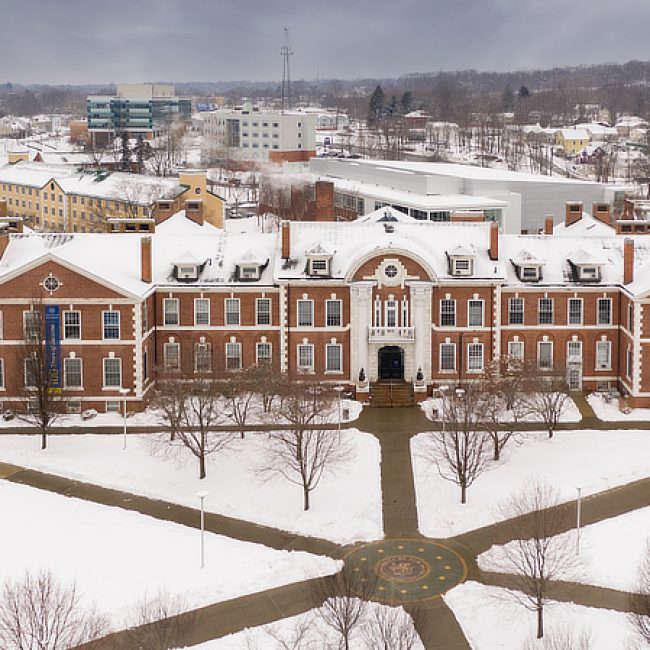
203	351
171	317
548	313
26	375
607	301
511	311
28	334
2	328
629	361
390	313
231	316
569	319
481	303
452	347
520	346
539	355
67	361
66	325
167	357
104	373
339	321
260	312
449	314
106	326
475	362
230	346
576	345
201	316
2	373
332	346
300	321
605	344
309	349
267	359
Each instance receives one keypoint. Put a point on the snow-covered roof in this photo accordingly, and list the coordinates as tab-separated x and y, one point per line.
179	224
526	258
586	226
581	257
318	249
574	134
462	251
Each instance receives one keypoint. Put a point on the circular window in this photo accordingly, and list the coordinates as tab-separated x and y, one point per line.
51	283
390	271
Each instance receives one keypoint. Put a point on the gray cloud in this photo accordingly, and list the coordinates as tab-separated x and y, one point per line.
73	41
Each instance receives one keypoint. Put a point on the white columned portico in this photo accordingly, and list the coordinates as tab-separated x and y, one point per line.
360	322
421	319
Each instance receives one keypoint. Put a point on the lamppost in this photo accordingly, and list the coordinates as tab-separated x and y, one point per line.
124	392
578	515
202	496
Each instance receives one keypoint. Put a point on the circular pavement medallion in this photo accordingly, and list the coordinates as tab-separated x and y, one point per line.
404	570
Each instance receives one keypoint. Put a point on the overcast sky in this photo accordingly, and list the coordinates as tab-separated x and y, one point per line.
84	41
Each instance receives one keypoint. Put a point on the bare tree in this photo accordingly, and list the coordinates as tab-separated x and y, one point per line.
307	449
538	554
298	637
42	397
546	395
640	601
38	613
159	623
240	391
169	399
565	638
390	628
459	451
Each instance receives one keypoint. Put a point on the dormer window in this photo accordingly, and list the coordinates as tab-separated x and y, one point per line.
461	261
527	266
248	271
584	266
589	272
461	266
186	272
529	273
319	262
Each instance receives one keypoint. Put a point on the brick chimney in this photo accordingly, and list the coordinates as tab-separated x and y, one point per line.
4	242
145	260
285	228
548	225
573	212
494	241
628	260
602	212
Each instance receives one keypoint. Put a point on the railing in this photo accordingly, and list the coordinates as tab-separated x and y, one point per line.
392	333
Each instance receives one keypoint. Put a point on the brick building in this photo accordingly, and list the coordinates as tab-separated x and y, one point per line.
347	303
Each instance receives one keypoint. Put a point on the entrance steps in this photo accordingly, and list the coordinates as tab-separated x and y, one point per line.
391	393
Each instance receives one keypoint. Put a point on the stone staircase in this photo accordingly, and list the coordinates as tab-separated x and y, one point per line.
386	394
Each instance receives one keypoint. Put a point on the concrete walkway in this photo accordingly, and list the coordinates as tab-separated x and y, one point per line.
435	622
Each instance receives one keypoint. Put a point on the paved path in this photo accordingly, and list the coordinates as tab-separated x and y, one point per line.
435	622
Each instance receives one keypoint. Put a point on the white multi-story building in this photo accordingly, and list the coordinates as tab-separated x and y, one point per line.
249	133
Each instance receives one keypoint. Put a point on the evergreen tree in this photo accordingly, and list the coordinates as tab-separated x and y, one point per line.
140	153
125	165
524	92
391	109
507	99
406	102
376	109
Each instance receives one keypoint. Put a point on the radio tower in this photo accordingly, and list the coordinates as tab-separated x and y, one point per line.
286	52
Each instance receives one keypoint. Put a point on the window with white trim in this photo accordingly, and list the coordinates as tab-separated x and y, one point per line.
112	372
72	374
2	373
305	357
516	311
447	356
32	326
604	314
603	355
30	376
333	317
474	313
545	355
172	356
263	352
202	357
545	311
516	350
233	356
111	325
72	325
305	313
447	313
263	311
333	357
201	311
629	361
574	351
170	311
231	310
630	318
474	357
574	311
391	313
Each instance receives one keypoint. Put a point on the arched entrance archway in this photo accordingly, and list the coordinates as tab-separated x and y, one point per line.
391	363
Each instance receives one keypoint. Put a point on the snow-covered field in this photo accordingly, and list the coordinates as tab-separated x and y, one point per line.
432	408
118	558
317	635
492	621
611	412
346	506
592	460
610	551
152	418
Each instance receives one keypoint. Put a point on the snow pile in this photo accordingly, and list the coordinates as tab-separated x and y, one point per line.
610	411
346	505
592	460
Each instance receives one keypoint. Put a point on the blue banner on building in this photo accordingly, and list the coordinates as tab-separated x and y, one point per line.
53	344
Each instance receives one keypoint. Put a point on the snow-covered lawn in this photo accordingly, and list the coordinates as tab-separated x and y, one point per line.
346	506
270	637
152	418
119	557
611	412
610	551
592	460
492	621
432	408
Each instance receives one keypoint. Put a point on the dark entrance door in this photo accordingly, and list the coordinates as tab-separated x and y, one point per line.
391	362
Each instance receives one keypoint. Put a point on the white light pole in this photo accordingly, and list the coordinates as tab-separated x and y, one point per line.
124	392
578	514
202	496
